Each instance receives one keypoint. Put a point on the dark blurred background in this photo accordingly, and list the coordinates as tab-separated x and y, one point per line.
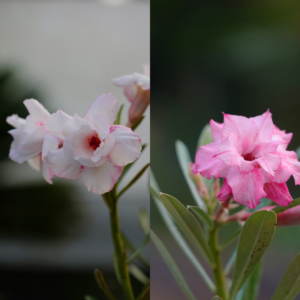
64	54
209	57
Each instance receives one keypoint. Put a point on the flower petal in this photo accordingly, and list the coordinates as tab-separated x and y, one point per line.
127	147
106	105
270	162
101	125
47	170
247	187
101	179
35	162
37	111
15	121
56	123
125	80
216	131
73	125
63	168
278	192
50	143
265	126
225	192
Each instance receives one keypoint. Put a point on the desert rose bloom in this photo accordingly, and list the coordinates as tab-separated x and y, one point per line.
250	153
29	137
137	90
91	148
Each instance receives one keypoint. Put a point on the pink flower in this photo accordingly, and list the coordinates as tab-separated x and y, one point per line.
250	153
137	91
91	148
288	217
29	137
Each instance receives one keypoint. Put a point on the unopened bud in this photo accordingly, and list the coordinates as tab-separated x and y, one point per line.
198	180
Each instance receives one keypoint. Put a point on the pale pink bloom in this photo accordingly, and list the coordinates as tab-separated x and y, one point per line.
250	153
137	90
29	137
91	148
288	217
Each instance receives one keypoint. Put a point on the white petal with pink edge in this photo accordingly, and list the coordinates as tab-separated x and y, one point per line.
15	121
37	111
127	147
56	123
101	179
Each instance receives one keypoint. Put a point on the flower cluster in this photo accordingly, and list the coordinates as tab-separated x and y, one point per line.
91	148
250	154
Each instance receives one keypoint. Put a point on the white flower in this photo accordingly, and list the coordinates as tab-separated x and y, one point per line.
91	148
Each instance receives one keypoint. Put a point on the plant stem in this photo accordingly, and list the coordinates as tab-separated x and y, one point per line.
120	254
221	288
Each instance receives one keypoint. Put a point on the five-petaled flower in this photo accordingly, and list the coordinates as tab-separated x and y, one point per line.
250	153
137	90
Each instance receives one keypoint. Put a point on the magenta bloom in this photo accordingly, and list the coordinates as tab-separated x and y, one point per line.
250	153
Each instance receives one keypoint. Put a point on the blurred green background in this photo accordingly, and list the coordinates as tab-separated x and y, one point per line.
209	57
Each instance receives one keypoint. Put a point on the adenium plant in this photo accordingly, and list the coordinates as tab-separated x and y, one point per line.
97	150
238	163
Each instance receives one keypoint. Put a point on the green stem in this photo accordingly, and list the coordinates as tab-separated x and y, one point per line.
120	254
221	289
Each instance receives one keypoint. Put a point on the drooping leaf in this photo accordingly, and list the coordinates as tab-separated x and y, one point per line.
138	274
154	189
205	136
184	159
172	266
252	284
118	118
140	248
144	220
187	223
102	284
289	285
255	238
135	178
200	214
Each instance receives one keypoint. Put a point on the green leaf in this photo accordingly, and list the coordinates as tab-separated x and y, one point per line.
135	178
144	220
140	248
200	214
230	262
118	118
128	245
230	239
172	266
187	223
255	238
184	159
138	274
127	167
145	293
278	209
252	284
102	284
216	298
289	285
135	124
181	242
116	268
205	136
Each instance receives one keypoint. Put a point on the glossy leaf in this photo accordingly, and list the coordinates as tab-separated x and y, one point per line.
187	223
144	220
255	238
200	214
154	189
172	266
205	137
135	178
118	118
289	285
184	159
102	284
140	248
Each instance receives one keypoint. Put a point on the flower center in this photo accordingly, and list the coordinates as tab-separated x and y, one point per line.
248	157
94	142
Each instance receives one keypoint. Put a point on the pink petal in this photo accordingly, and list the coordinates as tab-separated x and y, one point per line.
37	110
35	162
265	126
50	143
108	143
73	125
247	187
225	192
127	147
102	179
146	68
56	123
15	121
270	162
101	125
216	131
47	171
130	92
142	80
106	105
125	80
278	192
289	217
63	168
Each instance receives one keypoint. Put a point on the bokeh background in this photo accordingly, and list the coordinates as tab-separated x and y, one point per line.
209	57
65	53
